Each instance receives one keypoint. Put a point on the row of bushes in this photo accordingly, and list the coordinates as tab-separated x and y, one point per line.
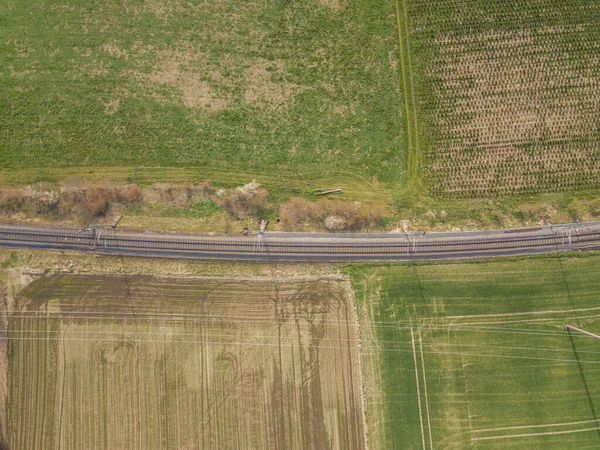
80	204
333	215
243	202
46	199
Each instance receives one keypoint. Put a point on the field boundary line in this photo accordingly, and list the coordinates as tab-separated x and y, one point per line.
425	390
412	339
411	84
349	292
407	92
550	311
548	425
495	322
546	433
532	358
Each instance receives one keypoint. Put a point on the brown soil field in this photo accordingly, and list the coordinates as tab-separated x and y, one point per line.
146	362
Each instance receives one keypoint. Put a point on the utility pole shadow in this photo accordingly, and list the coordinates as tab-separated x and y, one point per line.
585	385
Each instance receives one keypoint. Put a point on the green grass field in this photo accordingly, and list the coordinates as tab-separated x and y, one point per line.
422	105
249	86
477	354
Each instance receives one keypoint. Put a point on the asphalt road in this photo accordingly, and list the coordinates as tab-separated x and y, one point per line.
317	247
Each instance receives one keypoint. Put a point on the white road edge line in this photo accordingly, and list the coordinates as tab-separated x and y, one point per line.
412	339
547	425
533	434
425	389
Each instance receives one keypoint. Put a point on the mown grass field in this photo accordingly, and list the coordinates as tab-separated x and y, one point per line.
507	94
248	86
476	355
123	361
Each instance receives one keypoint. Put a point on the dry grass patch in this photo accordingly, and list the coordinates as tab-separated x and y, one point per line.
194	92
176	69
335	5
332	215
266	85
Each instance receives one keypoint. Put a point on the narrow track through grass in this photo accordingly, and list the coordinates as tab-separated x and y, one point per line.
412	130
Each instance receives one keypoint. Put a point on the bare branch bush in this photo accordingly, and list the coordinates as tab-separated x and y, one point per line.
332	215
243	201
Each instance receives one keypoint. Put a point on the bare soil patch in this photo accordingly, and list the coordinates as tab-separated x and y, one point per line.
174	70
266	87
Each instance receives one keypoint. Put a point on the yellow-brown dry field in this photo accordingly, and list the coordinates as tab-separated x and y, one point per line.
146	362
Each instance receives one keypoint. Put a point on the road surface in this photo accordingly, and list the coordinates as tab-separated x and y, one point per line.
310	247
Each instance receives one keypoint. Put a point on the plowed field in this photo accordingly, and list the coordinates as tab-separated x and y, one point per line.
128	362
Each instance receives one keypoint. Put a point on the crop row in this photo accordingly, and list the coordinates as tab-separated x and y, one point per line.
512	94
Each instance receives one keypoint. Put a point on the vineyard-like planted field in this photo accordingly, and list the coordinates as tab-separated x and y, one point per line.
477	355
508	94
123	362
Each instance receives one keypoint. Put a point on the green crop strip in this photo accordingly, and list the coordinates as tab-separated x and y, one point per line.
412	132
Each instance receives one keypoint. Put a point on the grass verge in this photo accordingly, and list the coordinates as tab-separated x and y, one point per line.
412	130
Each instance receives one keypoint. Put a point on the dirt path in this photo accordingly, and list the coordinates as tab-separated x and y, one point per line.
3	360
412	131
546	433
545	425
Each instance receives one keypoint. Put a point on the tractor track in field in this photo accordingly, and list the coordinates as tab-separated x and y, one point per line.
406	78
353	247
